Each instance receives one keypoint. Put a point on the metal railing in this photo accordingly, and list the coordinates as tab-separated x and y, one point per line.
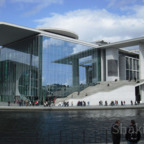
75	136
66	136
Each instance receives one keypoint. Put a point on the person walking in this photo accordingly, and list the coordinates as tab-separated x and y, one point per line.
133	135
115	131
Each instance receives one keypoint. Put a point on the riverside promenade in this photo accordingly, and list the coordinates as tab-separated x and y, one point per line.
4	106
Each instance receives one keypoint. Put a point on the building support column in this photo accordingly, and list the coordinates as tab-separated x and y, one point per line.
94	68
122	67
103	65
141	61
87	74
75	70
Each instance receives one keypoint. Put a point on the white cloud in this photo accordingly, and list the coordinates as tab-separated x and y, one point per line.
139	11
68	82
43	80
52	42
93	25
83	81
79	48
84	59
38	4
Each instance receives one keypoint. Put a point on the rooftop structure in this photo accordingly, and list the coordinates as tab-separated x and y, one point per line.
61	32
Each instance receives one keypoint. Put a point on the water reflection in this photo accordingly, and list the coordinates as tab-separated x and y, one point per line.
105	113
45	126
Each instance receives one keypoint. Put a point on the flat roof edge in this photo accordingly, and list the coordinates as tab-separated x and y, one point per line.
120	44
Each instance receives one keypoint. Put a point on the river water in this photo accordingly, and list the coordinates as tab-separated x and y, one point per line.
64	127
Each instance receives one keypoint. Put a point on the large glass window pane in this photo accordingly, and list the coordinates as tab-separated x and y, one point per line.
137	64
137	75
133	64
20	62
65	67
131	75
127	74
127	63
130	63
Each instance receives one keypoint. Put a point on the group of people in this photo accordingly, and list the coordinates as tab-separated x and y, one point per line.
31	103
112	103
123	103
132	135
65	104
47	103
25	102
81	103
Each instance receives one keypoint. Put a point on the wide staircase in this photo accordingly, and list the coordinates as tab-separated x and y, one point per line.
99	87
64	92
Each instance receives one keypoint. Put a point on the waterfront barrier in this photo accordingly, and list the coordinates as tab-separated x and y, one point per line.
65	136
41	107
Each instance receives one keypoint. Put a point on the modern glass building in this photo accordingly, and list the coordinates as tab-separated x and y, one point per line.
42	63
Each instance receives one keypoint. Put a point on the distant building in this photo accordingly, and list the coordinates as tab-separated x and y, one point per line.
36	63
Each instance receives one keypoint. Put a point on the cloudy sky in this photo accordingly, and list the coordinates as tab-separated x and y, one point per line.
92	20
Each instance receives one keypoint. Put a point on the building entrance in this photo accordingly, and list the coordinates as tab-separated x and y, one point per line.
137	94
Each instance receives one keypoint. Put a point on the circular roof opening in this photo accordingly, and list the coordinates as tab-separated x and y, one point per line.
61	32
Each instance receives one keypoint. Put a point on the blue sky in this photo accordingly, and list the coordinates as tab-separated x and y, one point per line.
92	20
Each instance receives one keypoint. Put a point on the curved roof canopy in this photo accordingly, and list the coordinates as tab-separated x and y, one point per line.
10	33
60	32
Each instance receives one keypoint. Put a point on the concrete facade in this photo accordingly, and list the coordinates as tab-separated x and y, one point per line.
103	66
122	67
141	60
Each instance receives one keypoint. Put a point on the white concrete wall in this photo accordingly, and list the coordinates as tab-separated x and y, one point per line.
125	93
141	60
122	67
112	53
95	73
102	66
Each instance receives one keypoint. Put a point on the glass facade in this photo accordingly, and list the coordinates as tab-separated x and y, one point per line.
67	67
41	67
132	68
19	64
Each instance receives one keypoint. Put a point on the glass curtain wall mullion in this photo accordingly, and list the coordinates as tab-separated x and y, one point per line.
61	69
132	67
30	70
16	60
0	76
39	49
